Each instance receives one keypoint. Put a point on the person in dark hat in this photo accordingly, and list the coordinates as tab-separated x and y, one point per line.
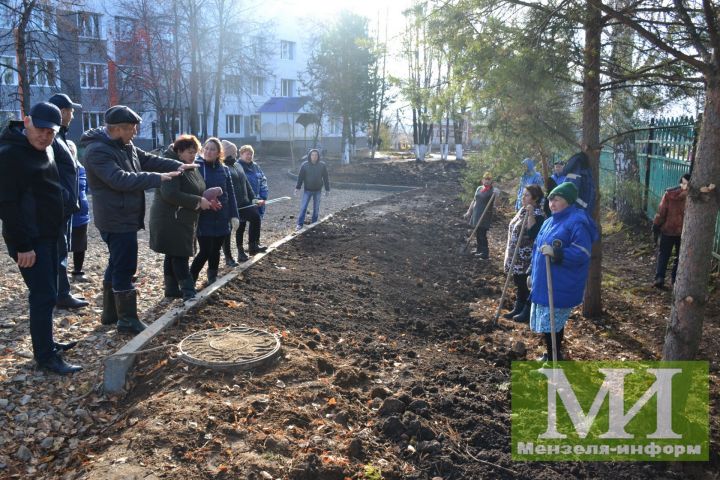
69	182
31	210
557	176
118	174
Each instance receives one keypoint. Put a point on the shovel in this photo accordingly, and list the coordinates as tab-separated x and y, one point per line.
267	202
482	217
510	271
551	302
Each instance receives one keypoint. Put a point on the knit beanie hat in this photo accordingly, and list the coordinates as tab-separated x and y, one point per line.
566	190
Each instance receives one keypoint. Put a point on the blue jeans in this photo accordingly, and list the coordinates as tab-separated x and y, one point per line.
41	281
122	264
304	205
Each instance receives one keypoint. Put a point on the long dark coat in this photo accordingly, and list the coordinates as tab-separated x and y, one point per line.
173	215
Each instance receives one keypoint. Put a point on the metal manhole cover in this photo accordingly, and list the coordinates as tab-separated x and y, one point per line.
241	348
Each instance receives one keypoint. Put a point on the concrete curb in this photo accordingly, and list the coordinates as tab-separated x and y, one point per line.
119	363
364	186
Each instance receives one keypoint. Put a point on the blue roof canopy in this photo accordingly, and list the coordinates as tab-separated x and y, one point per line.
283	105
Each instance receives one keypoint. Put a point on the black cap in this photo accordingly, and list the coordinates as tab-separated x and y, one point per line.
46	115
559	162
121	114
63	101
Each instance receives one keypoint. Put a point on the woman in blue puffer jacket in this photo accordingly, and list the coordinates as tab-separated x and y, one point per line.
214	225
80	221
567	238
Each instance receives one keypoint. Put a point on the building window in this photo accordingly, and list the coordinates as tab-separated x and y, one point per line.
42	73
335	126
125	28
233	124
92	75
254	125
287	88
7	115
233	84
88	25
8	75
258	86
42	20
287	50
92	120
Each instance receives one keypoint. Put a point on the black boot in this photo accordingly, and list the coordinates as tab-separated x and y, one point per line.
126	305
241	254
524	315
71	302
57	365
256	248
172	290
109	312
517	309
188	288
212	276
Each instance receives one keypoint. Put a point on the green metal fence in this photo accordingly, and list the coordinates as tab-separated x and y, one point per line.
663	153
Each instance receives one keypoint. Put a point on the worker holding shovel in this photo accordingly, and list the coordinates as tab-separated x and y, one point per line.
560	265
480	218
522	239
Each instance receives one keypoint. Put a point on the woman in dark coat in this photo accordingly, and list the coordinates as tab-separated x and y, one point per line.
174	217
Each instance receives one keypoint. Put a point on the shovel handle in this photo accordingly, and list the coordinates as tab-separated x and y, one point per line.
510	270
482	217
551	302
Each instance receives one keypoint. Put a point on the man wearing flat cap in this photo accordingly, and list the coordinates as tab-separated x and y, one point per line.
31	210
70	184
118	174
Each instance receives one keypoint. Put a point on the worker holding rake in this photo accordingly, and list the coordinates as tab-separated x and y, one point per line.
480	214
560	265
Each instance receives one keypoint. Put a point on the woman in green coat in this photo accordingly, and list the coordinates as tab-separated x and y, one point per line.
173	219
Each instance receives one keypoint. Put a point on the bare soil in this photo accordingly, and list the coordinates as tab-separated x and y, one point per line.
389	363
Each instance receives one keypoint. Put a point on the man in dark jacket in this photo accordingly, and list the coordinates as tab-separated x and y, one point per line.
668	225
259	184
118	174
31	210
69	182
314	174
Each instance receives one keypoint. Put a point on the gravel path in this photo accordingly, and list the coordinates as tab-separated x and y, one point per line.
43	414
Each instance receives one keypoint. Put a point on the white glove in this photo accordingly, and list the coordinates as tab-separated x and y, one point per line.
547	250
234	223
296	192
327	193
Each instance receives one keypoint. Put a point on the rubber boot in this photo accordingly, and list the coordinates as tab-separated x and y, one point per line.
126	305
109	313
524	315
212	276
172	290
187	286
518	308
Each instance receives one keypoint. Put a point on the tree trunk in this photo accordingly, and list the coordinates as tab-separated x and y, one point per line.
220	69
22	66
592	302
684	331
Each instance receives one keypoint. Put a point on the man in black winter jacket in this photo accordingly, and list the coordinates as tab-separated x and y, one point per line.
69	183
314	174
118	174
31	210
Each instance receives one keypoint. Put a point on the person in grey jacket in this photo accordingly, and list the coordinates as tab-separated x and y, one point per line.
314	174
118	174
